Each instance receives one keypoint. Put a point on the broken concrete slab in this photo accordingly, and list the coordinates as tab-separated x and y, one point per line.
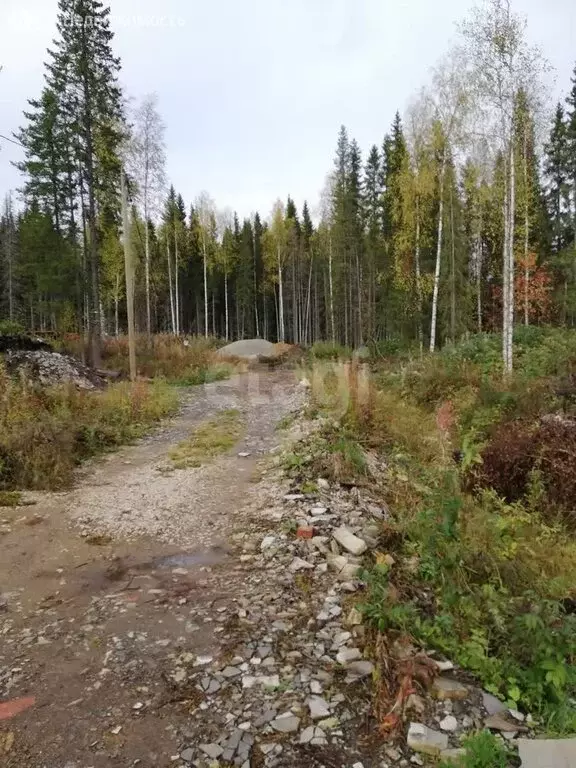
547	753
349	541
426	740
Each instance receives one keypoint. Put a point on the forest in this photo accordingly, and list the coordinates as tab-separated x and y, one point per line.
461	219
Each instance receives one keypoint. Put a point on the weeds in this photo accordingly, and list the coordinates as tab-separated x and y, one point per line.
483	750
10	498
45	433
326	350
483	575
207	441
183	361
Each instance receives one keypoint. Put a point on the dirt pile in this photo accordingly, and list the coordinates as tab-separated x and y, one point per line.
52	368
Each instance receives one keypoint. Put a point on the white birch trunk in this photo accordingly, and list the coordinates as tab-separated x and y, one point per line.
438	259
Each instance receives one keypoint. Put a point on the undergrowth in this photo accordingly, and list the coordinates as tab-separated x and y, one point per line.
46	432
487	580
216	436
10	498
184	361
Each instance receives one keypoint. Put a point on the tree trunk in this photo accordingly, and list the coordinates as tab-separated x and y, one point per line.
479	261
226	301
280	302
295	328
176	283
418	277
526	230
331	290
505	270
508	265
170	287
511	213
95	330
255	281
452	272
306	335
117	305
205	269
359	333
438	258
147	272
129	272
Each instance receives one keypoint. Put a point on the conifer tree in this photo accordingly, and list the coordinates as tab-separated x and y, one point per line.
73	134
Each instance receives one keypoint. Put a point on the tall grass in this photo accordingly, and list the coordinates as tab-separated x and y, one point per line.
46	432
180	360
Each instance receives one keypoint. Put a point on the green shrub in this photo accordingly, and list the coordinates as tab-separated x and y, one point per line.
326	350
11	328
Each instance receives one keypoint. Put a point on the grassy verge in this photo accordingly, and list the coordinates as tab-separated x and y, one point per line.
209	440
45	433
488	580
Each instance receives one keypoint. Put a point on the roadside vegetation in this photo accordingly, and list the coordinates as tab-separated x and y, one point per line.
216	436
183	361
46	432
477	472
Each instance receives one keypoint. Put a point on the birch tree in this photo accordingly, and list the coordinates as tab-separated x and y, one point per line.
450	99
147	158
206	211
503	64
275	242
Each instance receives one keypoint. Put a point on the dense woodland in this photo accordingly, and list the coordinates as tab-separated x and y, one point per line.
462	219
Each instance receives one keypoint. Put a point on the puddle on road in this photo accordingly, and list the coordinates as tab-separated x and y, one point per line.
211	556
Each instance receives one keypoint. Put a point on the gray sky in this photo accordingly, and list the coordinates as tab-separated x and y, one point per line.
253	92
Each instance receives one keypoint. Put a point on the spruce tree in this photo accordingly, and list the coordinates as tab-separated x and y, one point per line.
571	152
83	74
557	189
394	160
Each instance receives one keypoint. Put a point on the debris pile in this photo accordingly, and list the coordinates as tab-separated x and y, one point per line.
52	368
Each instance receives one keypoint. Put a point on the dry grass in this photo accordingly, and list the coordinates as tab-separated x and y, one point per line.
181	360
46	432
209	440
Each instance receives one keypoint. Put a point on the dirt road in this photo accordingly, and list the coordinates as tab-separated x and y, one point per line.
111	589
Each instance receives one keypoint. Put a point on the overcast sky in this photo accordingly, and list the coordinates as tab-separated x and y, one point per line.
253	91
